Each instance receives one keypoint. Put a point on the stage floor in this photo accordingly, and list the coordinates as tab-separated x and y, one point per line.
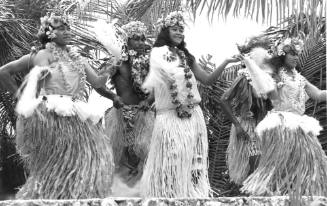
222	201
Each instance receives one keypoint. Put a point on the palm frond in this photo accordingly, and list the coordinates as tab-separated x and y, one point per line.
273	12
149	11
15	34
218	126
313	64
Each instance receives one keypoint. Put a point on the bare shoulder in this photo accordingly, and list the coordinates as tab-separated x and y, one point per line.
42	58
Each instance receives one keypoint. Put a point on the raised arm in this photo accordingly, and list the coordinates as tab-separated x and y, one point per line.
208	79
315	93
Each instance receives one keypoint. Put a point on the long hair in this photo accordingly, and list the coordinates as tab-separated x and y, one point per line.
279	61
163	39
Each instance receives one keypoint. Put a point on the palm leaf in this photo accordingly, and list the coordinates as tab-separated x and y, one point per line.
218	126
313	64
149	11
264	10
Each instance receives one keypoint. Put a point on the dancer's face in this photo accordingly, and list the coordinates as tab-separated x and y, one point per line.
137	42
176	34
291	60
63	35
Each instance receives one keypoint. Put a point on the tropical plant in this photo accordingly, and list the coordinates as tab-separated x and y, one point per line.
305	17
18	20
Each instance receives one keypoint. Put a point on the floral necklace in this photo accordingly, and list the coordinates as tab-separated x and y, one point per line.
76	63
182	110
139	70
297	79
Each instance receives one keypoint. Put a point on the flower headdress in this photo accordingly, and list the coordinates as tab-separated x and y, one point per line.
285	45
50	22
134	28
174	18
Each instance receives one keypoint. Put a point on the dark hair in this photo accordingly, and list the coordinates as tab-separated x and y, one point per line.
163	39
258	41
43	37
279	61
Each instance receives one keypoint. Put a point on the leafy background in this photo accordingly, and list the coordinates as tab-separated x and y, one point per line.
20	18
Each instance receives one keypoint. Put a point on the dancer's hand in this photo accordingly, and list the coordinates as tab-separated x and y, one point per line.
118	102
144	105
235	58
240	133
108	70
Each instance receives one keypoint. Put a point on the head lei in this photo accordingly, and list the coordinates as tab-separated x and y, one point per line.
134	28
51	22
174	18
285	45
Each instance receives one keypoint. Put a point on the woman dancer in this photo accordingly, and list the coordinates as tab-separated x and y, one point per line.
66	154
292	160
177	161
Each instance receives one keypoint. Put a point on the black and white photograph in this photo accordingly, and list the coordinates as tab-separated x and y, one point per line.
163	103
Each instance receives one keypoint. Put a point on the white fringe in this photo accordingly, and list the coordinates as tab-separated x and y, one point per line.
61	104
159	67
28	102
289	120
262	82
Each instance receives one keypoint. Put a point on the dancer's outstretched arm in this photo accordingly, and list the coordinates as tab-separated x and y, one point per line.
316	93
208	79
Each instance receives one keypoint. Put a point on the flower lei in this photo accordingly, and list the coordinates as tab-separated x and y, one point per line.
175	17
134	28
50	22
295	43
72	58
298	79
139	70
182	110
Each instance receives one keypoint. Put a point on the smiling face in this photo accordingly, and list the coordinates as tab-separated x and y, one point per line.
176	34
291	60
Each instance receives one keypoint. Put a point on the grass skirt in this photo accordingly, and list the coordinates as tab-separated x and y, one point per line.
139	140
177	164
292	161
66	158
239	151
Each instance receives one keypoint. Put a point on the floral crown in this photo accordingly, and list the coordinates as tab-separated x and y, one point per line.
134	28
283	46
174	18
50	22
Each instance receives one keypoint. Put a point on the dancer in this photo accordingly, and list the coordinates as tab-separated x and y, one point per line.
292	160
129	123
66	154
243	152
177	162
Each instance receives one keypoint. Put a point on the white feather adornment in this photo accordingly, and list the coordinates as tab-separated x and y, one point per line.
260	57
290	121
260	71
28	102
111	36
